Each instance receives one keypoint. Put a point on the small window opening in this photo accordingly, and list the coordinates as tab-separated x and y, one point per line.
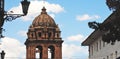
40	34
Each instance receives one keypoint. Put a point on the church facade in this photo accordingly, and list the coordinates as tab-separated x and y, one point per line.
44	38
98	49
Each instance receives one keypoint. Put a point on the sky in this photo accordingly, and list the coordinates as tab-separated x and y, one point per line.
72	16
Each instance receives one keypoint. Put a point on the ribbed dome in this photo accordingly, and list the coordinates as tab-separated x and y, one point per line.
43	20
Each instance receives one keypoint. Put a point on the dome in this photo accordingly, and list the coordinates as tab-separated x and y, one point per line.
43	27
43	20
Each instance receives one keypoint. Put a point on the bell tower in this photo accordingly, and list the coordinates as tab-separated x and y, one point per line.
44	38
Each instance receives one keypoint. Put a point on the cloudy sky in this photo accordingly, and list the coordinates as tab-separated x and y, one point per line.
72	16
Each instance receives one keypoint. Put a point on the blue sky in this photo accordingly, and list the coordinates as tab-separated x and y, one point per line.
72	16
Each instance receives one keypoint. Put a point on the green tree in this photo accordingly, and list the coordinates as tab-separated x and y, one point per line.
112	28
113	4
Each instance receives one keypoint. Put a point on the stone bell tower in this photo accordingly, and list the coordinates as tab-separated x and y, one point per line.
44	38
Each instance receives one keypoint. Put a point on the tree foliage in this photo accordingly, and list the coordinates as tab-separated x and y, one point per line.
113	4
111	29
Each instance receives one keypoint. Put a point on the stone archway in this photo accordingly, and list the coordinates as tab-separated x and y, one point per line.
51	52
38	53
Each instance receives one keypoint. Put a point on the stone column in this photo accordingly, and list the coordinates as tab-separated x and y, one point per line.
58	52
28	52
45	52
33	52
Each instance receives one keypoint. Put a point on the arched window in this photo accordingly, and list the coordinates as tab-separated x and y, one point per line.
51	52
39	52
31	34
49	35
39	34
116	54
57	34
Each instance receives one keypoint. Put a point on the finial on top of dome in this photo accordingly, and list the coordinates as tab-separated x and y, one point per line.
43	10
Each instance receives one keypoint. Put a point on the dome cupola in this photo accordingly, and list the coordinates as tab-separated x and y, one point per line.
43	20
44	27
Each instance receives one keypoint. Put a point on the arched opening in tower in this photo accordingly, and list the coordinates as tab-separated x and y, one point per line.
51	52
49	35
38	52
40	34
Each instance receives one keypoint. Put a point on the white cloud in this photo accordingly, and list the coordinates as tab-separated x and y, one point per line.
13	48
52	15
77	37
22	33
35	9
87	17
70	50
